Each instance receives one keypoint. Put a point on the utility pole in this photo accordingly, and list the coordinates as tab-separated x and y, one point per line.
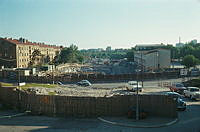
141	69
18	77
18	69
137	104
137	98
52	77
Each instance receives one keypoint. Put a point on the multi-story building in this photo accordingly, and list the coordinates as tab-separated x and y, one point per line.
16	53
153	58
108	48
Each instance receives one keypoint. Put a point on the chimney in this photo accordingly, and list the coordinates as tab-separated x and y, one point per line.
21	40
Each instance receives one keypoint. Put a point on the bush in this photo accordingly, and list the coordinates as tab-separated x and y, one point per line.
192	83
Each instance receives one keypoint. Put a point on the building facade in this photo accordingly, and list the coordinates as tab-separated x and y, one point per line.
18	53
153	59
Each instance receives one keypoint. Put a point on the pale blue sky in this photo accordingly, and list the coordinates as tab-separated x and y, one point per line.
101	23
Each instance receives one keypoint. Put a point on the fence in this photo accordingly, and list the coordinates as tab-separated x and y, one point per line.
98	77
155	105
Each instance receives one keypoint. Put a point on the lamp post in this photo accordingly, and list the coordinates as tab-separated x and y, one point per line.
137	97
141	69
18	69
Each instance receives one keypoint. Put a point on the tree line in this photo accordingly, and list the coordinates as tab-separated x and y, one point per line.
189	54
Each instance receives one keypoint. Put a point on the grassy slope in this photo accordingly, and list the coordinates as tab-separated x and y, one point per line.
28	85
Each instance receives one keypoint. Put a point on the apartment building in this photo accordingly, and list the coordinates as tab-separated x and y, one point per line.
17	53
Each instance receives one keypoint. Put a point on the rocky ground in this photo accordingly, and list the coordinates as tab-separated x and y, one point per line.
96	90
74	90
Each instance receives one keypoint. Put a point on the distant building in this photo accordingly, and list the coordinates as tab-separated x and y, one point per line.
194	41
153	59
16	53
108	48
180	44
148	46
96	50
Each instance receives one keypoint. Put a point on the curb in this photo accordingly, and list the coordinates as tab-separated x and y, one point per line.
20	114
139	126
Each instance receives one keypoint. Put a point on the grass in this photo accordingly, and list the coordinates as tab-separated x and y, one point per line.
52	93
6	84
28	85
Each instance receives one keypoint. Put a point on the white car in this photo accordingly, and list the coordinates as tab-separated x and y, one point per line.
132	86
192	92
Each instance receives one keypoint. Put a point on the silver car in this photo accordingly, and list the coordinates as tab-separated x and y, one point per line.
181	105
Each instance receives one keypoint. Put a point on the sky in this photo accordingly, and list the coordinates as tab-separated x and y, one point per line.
101	23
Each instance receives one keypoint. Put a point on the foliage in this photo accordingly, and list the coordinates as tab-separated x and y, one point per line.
70	55
130	55
47	59
192	83
6	84
36	53
190	61
52	93
113	54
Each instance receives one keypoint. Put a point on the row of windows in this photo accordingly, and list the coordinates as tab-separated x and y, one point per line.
33	48
22	65
23	54
23	60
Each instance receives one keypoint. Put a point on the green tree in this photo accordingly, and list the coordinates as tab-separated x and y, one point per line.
36	55
70	55
130	54
190	61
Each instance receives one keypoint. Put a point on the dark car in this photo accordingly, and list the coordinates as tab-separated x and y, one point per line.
84	83
181	105
177	87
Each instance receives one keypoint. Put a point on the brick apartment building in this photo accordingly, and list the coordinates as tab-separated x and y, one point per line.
16	53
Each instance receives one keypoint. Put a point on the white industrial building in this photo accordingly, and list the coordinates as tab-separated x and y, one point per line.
153	59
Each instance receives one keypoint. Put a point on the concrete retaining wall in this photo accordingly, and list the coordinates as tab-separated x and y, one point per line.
155	105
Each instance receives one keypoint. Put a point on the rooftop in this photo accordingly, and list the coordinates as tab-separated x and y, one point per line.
22	41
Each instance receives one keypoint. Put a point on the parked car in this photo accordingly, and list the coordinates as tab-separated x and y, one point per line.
59	83
181	105
192	92
177	87
84	83
132	86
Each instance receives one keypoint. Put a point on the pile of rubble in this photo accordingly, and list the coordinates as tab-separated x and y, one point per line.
74	90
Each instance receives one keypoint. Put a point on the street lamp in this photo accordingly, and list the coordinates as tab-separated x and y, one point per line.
137	97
